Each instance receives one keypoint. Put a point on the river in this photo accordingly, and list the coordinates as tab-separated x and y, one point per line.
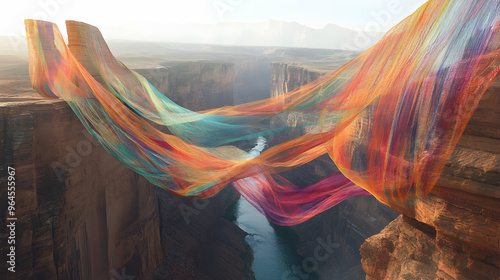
274	254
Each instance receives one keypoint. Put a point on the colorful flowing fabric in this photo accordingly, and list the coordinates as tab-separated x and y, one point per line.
389	119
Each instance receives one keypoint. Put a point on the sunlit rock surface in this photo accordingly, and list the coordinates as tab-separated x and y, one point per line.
454	232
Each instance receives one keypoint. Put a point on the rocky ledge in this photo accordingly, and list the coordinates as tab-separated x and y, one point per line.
454	232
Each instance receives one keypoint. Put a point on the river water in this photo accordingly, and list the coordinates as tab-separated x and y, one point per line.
275	257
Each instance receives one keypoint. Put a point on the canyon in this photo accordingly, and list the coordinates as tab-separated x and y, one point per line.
347	224
82	214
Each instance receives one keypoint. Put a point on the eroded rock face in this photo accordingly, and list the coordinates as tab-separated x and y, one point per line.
453	232
286	77
349	223
82	214
199	243
194	85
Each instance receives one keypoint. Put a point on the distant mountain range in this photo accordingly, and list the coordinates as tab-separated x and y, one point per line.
269	33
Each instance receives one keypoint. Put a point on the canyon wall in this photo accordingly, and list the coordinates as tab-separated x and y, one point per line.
82	214
453	233
199	243
345	226
194	85
286	77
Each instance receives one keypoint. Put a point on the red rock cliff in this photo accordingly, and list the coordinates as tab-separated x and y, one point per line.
82	214
454	232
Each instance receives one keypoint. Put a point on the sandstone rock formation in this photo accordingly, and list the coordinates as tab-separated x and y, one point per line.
82	214
453	233
194	85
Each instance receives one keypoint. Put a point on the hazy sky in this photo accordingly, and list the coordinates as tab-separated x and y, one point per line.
355	14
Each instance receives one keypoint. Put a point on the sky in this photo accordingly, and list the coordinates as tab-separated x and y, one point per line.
354	14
